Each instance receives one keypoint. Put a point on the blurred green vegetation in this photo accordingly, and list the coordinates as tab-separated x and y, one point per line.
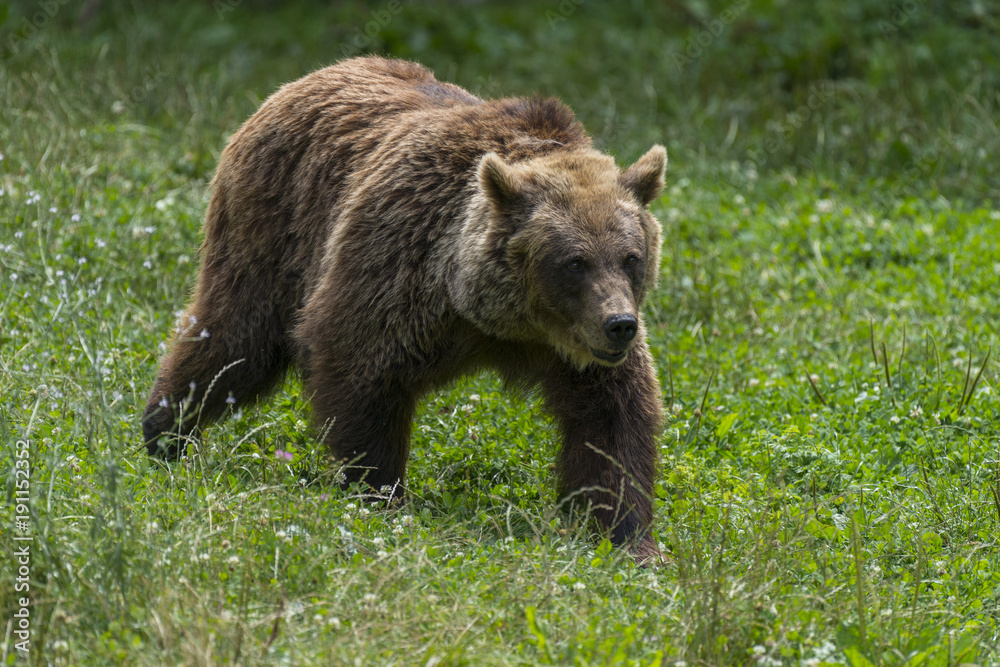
904	92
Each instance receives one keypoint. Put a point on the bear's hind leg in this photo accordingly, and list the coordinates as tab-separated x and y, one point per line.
235	349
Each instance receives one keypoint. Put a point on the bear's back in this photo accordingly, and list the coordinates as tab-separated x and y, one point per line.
369	139
372	84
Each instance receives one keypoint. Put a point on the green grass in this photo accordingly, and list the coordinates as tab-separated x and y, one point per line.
830	488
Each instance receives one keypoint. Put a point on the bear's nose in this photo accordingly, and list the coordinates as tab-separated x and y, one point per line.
620	329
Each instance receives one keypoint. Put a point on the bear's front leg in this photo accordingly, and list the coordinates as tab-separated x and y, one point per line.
365	422
610	418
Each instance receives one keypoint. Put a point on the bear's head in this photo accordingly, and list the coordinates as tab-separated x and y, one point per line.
561	249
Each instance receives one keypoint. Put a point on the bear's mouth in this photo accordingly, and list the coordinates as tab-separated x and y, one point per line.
609	357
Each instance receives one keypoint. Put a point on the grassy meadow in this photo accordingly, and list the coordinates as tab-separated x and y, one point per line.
825	328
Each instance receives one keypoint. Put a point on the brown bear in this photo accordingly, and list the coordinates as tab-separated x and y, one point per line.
390	233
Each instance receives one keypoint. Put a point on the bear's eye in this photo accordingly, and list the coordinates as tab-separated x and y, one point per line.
631	261
575	265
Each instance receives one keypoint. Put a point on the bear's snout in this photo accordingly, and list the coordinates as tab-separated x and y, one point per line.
620	329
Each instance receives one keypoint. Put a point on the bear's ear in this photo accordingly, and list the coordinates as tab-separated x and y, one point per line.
644	179
501	183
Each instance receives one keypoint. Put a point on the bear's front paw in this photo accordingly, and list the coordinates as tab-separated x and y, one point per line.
156	434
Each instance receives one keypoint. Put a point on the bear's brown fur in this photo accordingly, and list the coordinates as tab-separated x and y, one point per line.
390	233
